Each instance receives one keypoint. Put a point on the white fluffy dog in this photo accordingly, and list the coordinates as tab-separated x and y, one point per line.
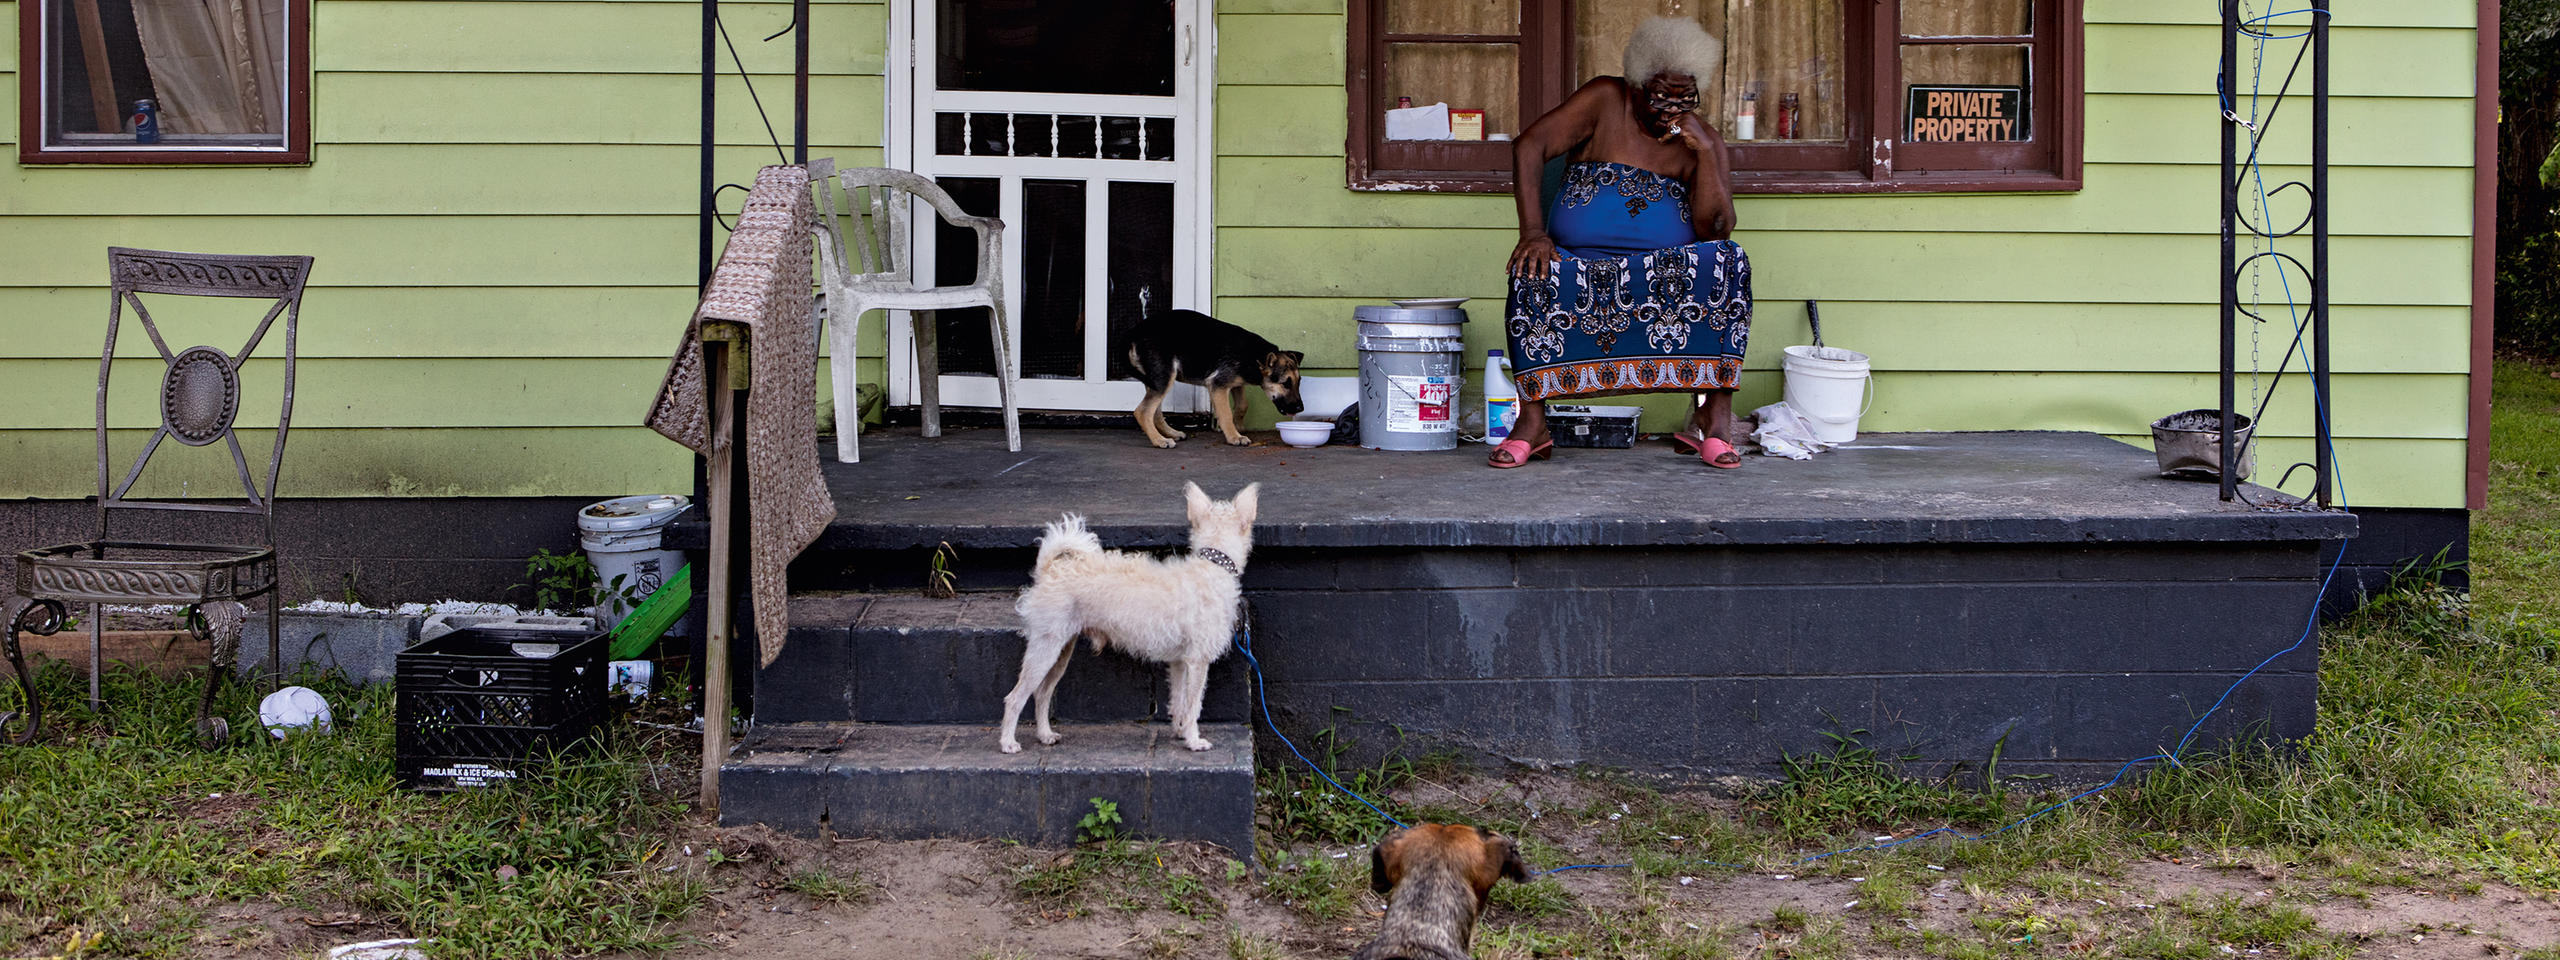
1178	611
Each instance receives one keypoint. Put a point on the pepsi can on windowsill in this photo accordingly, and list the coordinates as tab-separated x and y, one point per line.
146	121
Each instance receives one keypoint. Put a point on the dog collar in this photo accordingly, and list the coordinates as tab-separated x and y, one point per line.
1219	557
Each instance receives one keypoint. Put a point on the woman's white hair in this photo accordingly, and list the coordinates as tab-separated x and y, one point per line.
1675	45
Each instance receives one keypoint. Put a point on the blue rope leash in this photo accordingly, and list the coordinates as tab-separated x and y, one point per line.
1262	692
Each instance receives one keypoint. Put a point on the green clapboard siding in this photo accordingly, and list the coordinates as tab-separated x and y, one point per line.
2126	198
399	178
2086	338
458	36
501	201
462	462
371	392
2093	310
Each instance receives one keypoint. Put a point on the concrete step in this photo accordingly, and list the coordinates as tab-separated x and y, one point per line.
948	780
906	658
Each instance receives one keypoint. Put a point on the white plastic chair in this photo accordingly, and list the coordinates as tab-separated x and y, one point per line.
862	265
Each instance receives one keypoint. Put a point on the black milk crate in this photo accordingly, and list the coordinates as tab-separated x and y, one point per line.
480	706
1574	425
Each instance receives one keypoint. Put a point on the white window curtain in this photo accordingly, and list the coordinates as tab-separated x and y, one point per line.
217	65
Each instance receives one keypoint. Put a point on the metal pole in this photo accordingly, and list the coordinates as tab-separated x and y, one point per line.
710	98
2230	266
2320	402
800	82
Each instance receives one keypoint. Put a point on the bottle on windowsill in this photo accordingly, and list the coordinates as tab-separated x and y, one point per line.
1790	117
1747	117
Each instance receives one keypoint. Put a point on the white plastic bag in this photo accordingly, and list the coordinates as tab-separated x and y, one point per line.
1784	432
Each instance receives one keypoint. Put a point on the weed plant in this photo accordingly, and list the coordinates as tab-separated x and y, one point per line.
1299	807
1108	869
1850	786
119	824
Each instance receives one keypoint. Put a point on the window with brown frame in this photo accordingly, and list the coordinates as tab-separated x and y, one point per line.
1815	96
164	81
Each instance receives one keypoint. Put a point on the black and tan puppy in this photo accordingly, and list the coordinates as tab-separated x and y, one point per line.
1192	347
1435	876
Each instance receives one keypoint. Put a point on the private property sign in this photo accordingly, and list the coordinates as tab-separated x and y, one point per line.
1959	113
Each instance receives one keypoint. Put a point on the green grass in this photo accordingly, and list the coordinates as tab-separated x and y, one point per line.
120	824
2515	543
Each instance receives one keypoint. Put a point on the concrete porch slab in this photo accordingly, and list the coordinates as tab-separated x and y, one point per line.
1913	488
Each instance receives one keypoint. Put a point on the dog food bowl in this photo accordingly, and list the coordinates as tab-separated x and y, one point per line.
1326	396
1305	433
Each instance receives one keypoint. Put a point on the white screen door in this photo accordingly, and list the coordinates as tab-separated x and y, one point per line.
1078	125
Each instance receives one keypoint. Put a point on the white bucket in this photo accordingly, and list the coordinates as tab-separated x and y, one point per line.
1831	388
622	537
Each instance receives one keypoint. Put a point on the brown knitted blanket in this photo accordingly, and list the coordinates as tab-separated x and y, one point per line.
763	281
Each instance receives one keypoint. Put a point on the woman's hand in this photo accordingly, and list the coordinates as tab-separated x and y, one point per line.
1690	133
1534	258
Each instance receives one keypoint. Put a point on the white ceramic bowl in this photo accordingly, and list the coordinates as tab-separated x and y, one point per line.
1305	433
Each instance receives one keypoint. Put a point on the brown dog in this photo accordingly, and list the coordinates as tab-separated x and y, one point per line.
1435	876
1190	347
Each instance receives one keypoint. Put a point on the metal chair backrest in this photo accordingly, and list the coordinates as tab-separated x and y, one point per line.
200	386
873	218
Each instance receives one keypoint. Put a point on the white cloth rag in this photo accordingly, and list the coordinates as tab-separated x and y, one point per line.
1784	432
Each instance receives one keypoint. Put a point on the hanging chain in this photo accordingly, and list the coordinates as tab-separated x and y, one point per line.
2258	241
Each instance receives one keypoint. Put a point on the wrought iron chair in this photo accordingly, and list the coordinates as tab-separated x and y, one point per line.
199	404
863	265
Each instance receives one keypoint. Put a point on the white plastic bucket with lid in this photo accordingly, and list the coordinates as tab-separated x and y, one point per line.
1831	387
622	538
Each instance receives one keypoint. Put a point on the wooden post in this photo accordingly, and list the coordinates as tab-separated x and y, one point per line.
93	50
724	370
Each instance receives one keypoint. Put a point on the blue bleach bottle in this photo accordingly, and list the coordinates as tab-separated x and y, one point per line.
1501	398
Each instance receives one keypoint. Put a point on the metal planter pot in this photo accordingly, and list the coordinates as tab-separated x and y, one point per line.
2189	443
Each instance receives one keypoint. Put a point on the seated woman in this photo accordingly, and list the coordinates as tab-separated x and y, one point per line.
1627	282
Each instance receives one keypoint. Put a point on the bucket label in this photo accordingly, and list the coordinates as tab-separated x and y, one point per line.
1422	404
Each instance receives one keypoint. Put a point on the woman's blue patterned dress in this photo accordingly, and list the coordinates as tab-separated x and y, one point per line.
1637	303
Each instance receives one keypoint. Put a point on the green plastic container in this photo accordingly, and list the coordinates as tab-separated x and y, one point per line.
636	633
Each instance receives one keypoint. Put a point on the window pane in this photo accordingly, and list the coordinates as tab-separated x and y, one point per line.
1772	48
1141	277
989	134
1968	18
1466	76
215	73
1034	134
1965	92
1497	17
1079	136
1051	47
1784	59
961	338
1052	310
1120	138
1964	63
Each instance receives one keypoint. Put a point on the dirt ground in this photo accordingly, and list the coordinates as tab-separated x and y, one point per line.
959	900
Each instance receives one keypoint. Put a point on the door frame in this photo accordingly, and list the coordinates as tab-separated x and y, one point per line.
1194	96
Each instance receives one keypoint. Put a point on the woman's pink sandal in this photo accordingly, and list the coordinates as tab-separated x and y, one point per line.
1521	452
1715	448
